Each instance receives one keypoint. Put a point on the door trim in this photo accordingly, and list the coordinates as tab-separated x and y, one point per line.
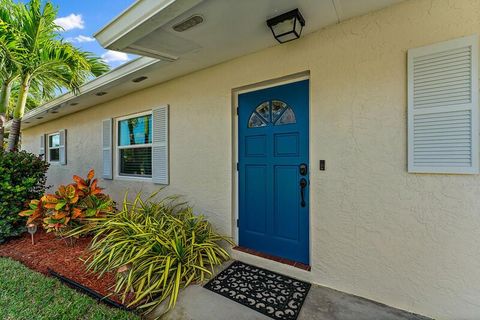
305	75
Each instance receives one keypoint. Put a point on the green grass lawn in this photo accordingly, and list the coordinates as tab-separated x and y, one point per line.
26	294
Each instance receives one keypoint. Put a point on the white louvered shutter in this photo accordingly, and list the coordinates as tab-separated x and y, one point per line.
63	146
443	107
42	147
160	163
107	149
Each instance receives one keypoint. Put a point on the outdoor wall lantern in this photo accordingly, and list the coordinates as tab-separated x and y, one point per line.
287	26
32	228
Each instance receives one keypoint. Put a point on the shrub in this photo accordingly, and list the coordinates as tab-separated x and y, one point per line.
70	205
156	248
22	178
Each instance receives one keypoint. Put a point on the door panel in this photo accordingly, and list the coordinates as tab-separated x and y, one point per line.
286	144
256	198
256	146
286	202
273	143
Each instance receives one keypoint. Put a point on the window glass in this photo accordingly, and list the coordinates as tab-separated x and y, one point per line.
136	161
277	108
54	147
54	154
287	117
264	111
135	131
255	121
279	114
54	141
135	146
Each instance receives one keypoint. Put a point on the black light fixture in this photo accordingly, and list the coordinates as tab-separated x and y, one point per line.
287	26
101	93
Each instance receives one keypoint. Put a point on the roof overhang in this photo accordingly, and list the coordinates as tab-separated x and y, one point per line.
230	28
111	85
139	20
236	27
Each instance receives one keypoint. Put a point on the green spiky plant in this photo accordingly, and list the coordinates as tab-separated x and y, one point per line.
155	247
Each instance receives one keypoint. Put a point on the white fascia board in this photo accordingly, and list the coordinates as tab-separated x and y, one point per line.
140	19
95	84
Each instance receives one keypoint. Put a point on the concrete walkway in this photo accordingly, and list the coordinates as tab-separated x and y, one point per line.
197	303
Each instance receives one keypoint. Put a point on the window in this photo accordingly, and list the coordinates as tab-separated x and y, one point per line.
135	146
140	144
280	114
54	147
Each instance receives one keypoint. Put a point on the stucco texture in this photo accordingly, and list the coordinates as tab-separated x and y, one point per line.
411	241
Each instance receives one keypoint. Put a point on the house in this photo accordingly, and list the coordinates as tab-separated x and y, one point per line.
350	153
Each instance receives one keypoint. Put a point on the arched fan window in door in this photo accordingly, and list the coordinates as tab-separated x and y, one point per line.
273	112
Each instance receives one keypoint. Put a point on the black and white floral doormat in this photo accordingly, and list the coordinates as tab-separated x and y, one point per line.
275	295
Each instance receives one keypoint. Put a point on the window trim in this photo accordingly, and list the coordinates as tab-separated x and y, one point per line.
50	148
117	147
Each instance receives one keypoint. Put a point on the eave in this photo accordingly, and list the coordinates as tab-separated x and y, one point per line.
116	83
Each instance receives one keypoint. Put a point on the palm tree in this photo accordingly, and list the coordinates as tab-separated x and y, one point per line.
8	67
43	57
37	95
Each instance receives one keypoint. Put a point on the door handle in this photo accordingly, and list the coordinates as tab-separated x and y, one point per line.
303	185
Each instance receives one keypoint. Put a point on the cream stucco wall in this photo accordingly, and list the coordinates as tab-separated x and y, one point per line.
408	240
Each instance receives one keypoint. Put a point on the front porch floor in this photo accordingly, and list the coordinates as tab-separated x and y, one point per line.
322	303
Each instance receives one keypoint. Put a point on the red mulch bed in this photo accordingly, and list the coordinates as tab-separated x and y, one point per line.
51	252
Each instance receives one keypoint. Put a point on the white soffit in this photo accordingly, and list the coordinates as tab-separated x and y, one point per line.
231	28
140	19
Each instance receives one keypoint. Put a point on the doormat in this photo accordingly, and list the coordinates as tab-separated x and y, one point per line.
275	295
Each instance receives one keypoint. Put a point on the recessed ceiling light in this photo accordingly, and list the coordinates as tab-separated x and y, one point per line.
188	23
101	93
139	79
73	103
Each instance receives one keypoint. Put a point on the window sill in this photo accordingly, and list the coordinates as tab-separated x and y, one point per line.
127	178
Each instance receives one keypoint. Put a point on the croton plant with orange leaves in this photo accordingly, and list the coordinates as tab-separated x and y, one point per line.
70	205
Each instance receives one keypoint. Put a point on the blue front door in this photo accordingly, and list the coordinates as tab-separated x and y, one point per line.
273	171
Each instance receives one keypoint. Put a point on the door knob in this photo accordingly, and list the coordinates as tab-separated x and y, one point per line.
303	169
303	185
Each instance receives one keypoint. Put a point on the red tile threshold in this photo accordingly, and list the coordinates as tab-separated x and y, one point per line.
274	258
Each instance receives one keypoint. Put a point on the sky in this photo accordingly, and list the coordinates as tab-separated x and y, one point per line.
80	19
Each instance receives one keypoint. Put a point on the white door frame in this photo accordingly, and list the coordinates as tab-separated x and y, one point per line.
235	92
